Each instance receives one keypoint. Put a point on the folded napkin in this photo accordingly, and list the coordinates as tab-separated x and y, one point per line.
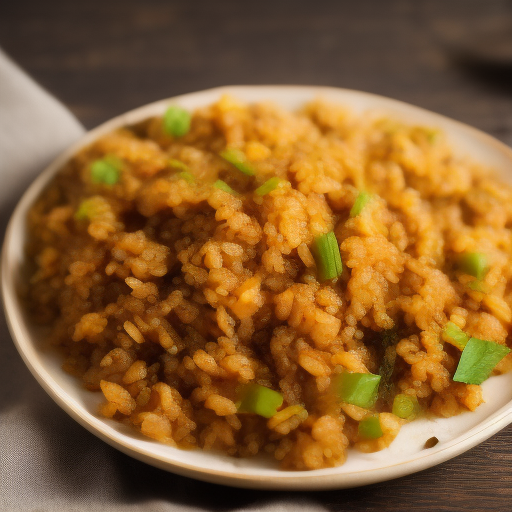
47	461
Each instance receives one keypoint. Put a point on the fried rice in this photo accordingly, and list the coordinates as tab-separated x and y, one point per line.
172	286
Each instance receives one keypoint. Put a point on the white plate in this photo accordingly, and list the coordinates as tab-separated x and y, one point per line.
405	455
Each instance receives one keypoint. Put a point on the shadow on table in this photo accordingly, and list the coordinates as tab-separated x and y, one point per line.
497	76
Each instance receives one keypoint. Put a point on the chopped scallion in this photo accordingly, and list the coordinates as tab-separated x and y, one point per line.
474	264
370	428
86	209
386	370
327	256
259	400
114	160
478	286
432	135
268	186
357	388
178	164
405	406
222	185
238	159
187	176
454	335
361	201
176	121
105	171
478	360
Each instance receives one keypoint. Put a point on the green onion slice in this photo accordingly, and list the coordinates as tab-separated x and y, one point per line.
386	370
357	388
478	360
222	185
259	400
327	256
474	264
268	186
405	406
178	164
478	286
370	428
106	171
432	135
86	209
389	339
176	121
361	201
187	176
454	335
238	159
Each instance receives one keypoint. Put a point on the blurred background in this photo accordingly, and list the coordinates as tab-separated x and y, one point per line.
103	57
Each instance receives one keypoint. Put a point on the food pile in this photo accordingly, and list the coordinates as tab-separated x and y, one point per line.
246	279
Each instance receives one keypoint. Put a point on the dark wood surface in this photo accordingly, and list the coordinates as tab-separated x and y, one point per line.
103	57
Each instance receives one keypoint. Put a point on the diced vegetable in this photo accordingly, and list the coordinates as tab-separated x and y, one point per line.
268	186
454	335
405	406
327	256
259	400
222	185
185	173
478	286
389	338
176	121
370	428
187	176
114	160
105	171
178	164
86	209
361	201
478	360
432	135
357	388
238	159
386	370
474	264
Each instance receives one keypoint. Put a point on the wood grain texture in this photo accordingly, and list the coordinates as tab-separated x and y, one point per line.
102	58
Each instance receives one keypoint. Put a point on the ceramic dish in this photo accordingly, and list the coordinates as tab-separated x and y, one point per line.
407	454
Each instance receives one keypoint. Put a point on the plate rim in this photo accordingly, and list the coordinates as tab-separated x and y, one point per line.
289	480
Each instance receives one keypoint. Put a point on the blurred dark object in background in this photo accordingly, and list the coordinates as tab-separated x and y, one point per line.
482	49
486	41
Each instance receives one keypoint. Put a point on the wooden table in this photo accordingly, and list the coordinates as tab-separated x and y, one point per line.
103	57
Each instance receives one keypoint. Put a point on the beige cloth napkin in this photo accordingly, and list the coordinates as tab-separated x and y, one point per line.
47	461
